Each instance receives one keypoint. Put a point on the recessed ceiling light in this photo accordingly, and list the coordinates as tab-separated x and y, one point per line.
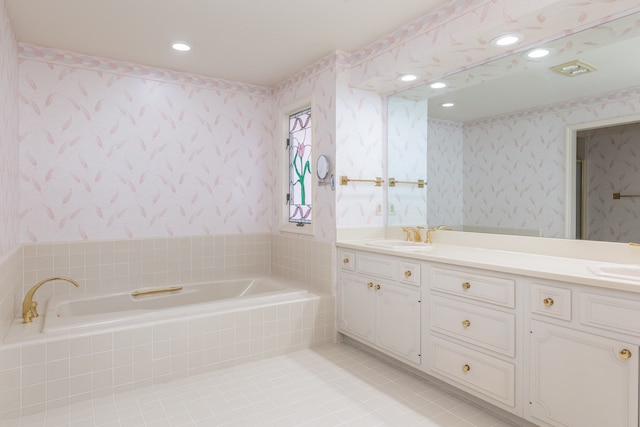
181	47
408	77
507	40
538	53
448	104
438	85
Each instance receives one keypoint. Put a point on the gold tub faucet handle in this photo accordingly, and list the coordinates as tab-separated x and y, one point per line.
29	306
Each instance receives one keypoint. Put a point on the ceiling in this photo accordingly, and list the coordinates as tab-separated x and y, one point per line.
260	42
515	83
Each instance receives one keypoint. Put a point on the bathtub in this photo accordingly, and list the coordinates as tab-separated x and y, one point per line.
64	314
97	345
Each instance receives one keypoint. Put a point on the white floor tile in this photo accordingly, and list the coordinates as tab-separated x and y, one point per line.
336	385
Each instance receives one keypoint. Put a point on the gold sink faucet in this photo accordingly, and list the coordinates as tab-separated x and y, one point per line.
412	234
29	306
431	230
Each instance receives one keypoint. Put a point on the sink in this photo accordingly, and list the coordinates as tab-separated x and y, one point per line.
617	271
399	244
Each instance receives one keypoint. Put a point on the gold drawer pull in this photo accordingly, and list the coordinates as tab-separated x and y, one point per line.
369	285
345	261
466	285
466	368
466	323
625	354
548	302
378	287
407	273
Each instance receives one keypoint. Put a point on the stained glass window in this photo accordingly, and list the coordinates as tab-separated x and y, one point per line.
300	167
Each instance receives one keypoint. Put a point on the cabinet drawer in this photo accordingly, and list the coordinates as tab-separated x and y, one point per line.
484	374
347	260
409	272
616	314
373	265
551	301
495	290
484	327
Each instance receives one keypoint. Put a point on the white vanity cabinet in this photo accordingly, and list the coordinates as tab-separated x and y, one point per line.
379	301
583	371
472	325
551	351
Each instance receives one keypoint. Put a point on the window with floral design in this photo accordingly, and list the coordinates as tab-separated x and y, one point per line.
299	146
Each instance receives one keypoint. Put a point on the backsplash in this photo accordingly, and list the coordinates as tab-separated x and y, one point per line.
113	265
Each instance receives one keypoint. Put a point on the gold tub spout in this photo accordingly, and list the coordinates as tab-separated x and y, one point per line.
29	306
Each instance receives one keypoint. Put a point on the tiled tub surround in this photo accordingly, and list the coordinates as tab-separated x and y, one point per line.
11	272
38	373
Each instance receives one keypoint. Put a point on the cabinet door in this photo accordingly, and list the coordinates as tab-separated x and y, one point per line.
356	306
582	380
398	320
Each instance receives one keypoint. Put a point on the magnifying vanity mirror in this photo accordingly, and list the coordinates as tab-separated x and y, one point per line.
529	147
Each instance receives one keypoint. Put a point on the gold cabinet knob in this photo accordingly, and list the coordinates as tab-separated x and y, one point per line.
407	273
466	285
548	302
345	261
624	354
369	285
466	368
466	323
378	287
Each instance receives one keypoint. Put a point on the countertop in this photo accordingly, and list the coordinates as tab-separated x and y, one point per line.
565	269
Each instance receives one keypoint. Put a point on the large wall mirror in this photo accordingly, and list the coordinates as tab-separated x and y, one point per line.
530	146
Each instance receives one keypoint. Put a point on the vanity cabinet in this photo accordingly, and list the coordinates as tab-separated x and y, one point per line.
379	303
472	324
580	374
552	352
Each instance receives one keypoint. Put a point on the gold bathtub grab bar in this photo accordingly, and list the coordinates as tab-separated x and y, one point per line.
156	291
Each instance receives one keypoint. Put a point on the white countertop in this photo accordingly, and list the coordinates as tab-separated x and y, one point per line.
551	267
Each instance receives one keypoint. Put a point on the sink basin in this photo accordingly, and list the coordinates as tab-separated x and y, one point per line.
617	271
399	244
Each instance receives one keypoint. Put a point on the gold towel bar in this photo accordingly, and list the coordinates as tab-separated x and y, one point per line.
420	183
344	180
156	291
617	196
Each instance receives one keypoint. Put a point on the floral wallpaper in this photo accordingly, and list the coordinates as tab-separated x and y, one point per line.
611	165
407	160
117	150
319	87
445	173
514	165
107	156
9	194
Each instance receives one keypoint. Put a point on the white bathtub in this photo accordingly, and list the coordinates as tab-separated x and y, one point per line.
125	309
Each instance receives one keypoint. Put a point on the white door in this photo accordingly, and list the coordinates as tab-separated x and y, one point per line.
582	380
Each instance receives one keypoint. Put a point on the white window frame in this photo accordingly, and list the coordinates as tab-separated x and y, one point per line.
283	156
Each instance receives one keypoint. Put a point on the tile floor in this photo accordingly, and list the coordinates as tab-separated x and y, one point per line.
334	385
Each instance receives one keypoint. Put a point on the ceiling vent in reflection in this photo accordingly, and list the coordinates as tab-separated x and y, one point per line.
573	68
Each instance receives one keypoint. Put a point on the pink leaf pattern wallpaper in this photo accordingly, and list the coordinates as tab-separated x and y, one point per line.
111	150
611	166
111	156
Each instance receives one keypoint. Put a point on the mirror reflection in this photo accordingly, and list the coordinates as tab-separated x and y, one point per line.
530	146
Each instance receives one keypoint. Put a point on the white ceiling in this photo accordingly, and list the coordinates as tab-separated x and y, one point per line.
253	41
